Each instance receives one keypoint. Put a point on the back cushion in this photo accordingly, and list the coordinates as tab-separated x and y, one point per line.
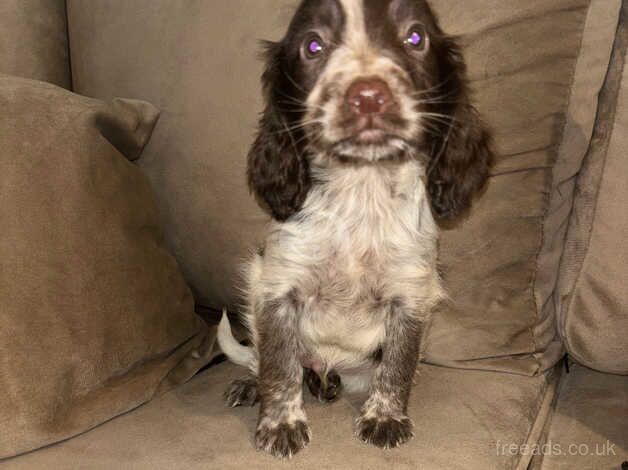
34	41
95	317
197	61
536	67
593	315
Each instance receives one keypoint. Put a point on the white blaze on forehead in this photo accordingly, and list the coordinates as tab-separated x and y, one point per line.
355	29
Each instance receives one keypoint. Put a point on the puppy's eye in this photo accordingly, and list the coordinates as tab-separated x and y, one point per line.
416	38
313	47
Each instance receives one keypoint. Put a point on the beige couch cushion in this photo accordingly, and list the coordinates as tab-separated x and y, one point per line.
593	290
198	63
465	420
588	429
536	66
94	314
34	41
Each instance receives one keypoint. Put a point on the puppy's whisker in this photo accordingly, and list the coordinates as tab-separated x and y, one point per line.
428	113
428	91
435	130
294	83
444	118
300	110
290	98
441	84
300	105
437	120
438	99
295	127
303	138
314	139
432	90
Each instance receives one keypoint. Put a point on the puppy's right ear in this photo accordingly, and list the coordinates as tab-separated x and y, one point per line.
278	173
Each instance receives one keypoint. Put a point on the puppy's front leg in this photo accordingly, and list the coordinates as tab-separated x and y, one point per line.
383	421
282	429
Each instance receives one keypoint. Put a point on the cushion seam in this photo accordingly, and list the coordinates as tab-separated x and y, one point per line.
542	415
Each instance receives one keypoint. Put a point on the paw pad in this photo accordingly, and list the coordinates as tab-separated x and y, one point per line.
386	432
284	440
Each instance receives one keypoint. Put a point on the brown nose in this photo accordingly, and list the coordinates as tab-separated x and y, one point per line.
371	96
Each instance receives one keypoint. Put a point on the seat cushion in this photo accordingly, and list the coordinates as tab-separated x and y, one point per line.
589	427
95	317
463	419
536	68
593	306
34	41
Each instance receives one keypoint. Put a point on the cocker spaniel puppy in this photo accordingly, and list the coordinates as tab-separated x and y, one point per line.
368	141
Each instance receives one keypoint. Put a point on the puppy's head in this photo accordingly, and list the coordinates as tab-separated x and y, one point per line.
364	82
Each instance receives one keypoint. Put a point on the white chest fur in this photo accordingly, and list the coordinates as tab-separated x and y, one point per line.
364	238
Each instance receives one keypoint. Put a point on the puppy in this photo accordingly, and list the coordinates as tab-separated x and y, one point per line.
368	141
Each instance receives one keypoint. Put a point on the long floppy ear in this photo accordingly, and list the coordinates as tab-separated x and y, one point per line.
461	149
278	173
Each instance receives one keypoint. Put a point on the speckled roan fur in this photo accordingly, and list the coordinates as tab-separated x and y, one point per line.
348	275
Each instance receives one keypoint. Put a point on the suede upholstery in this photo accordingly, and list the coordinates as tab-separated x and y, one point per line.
34	41
593	311
588	429
196	61
547	60
94	315
463	420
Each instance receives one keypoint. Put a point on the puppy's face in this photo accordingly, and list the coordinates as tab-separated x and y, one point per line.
364	68
364	81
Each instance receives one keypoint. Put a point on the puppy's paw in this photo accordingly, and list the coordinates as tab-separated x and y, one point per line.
386	432
242	392
282	440
325	392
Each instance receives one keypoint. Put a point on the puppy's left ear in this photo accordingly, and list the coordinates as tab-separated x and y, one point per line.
461	152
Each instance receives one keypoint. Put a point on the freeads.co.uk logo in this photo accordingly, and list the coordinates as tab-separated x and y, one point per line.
550	448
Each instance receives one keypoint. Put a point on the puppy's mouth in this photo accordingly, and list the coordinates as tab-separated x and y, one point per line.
373	130
371	136
371	145
370	133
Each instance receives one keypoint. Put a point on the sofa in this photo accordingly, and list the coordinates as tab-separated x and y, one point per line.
125	215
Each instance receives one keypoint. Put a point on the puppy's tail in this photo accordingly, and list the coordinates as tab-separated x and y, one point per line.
237	353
